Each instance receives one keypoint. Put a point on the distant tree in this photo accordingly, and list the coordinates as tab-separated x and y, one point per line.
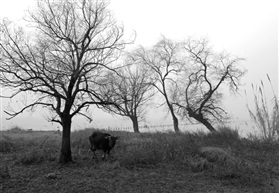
63	60
131	90
197	93
163	60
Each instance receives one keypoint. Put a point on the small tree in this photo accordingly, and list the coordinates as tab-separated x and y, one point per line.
163	60
197	94
131	92
73	43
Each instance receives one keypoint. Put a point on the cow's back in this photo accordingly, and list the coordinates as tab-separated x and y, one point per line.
98	139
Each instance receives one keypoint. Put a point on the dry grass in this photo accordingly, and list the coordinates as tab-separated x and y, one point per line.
142	162
267	120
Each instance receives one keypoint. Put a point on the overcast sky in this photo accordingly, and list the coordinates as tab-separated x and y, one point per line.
246	28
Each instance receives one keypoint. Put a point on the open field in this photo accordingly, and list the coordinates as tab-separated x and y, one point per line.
145	162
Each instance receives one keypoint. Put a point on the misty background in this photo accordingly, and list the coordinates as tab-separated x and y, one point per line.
247	29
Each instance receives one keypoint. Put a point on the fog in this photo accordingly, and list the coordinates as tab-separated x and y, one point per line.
247	29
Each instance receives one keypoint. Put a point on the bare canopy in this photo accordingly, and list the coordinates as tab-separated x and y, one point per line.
197	93
71	44
131	90
163	60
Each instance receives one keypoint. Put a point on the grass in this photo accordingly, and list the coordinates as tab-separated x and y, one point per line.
141	162
267	120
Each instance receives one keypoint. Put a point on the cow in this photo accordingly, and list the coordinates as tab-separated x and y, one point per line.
102	141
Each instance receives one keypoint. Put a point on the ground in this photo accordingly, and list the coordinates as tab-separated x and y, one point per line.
109	177
27	172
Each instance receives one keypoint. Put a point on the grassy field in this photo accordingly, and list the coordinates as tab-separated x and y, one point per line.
140	162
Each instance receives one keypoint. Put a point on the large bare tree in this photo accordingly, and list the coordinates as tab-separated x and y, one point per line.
164	61
198	94
131	91
69	46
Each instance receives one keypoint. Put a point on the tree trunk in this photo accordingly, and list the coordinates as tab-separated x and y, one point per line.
200	119
208	125
135	124
66	154
175	123
175	120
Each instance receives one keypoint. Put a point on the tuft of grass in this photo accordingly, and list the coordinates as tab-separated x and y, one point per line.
266	120
214	159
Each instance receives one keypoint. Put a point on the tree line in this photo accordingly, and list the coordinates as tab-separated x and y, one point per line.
73	56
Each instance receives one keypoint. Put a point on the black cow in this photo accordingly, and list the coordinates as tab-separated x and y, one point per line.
102	141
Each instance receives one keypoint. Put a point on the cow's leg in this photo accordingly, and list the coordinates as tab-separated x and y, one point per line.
104	156
93	148
94	155
108	153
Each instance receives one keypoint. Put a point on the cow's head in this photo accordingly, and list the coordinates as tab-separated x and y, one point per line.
112	140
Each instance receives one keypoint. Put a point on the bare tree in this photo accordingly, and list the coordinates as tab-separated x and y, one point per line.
131	91
73	44
163	60
197	94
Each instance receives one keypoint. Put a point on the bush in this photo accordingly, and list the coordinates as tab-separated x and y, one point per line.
16	129
224	136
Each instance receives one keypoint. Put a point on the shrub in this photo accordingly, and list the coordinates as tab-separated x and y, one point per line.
224	136
16	129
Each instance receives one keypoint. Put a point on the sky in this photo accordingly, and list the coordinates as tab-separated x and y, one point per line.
244	28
